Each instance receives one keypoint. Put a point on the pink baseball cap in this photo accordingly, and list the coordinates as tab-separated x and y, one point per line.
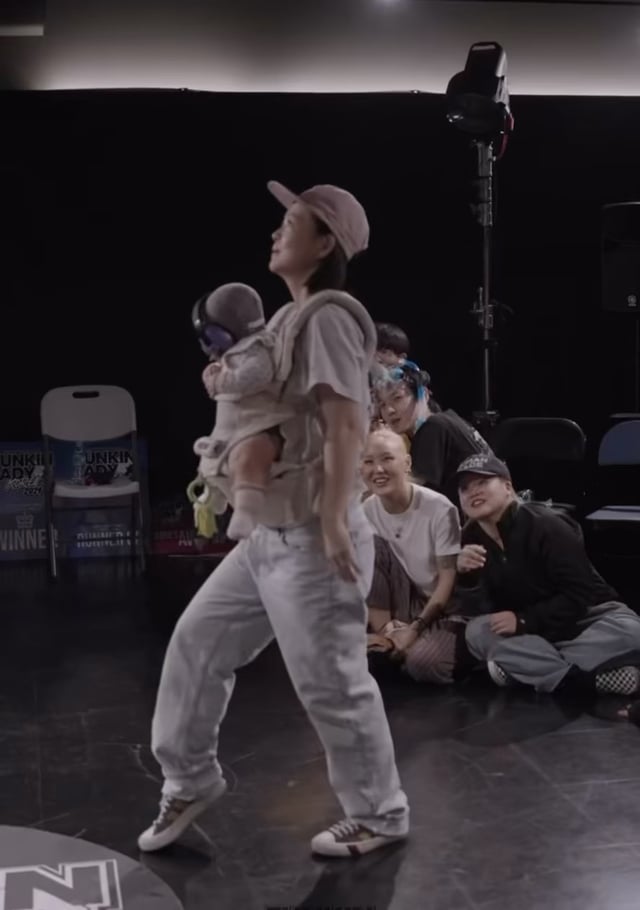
340	211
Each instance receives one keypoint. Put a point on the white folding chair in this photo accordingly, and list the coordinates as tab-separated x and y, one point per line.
91	414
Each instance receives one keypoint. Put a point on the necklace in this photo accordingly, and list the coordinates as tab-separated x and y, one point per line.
398	524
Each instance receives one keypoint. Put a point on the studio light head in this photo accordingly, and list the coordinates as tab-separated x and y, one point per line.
478	97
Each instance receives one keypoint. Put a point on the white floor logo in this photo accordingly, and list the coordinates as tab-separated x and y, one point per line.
71	886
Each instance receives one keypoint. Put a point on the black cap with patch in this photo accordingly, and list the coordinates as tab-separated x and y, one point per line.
485	465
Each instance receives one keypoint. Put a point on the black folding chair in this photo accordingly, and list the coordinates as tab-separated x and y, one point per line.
546	455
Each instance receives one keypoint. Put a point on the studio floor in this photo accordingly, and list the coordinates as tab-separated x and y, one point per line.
516	801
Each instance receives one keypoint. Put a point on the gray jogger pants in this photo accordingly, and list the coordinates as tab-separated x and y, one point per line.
611	640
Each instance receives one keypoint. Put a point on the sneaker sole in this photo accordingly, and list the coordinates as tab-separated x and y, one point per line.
498	676
350	851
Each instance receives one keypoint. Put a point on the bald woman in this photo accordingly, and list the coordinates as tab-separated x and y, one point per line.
412	617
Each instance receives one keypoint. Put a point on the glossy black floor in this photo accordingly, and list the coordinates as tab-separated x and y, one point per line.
516	803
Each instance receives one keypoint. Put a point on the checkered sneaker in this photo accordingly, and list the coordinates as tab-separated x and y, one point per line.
623	681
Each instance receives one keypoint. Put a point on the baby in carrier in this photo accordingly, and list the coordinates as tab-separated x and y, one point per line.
250	363
240	377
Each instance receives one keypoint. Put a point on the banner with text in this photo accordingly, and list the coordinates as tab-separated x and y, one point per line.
174	531
103	531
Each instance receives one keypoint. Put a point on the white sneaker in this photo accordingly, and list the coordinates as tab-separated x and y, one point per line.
348	838
498	675
175	816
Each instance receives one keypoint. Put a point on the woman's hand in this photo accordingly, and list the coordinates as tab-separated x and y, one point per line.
210	376
377	642
402	639
471	557
504	623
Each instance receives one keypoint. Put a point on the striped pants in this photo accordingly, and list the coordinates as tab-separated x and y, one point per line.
435	656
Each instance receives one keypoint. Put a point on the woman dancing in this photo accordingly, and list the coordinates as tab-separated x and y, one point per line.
303	574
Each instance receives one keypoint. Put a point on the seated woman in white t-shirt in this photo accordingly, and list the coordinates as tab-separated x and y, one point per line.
411	614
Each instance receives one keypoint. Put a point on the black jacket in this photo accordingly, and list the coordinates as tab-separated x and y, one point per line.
543	575
439	447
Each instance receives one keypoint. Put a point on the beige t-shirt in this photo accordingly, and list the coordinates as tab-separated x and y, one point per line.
329	351
429	528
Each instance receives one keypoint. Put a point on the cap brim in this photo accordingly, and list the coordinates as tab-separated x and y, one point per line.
284	196
479	473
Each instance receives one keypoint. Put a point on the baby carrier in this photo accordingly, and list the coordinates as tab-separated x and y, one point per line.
239	418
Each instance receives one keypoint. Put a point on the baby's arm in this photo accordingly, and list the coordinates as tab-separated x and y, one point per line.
245	373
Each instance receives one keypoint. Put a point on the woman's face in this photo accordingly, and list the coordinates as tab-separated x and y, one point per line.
298	247
484	497
385	463
398	407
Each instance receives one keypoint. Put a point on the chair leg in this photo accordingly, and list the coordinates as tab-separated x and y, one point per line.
132	530
53	557
47	496
142	525
51	537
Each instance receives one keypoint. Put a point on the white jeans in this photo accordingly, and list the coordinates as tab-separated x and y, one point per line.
280	583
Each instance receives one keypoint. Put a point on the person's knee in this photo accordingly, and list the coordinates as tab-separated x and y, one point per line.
477	636
188	628
425	668
633	632
627	628
197	635
348	689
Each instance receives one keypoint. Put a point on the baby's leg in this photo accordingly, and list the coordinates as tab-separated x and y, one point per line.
250	467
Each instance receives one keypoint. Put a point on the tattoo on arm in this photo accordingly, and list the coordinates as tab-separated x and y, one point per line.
447	562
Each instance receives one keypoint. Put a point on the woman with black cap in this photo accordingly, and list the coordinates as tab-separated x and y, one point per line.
552	622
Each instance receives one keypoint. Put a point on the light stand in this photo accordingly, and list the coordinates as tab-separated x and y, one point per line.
478	104
484	307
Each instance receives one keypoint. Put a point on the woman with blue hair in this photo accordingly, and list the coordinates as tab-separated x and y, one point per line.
439	441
